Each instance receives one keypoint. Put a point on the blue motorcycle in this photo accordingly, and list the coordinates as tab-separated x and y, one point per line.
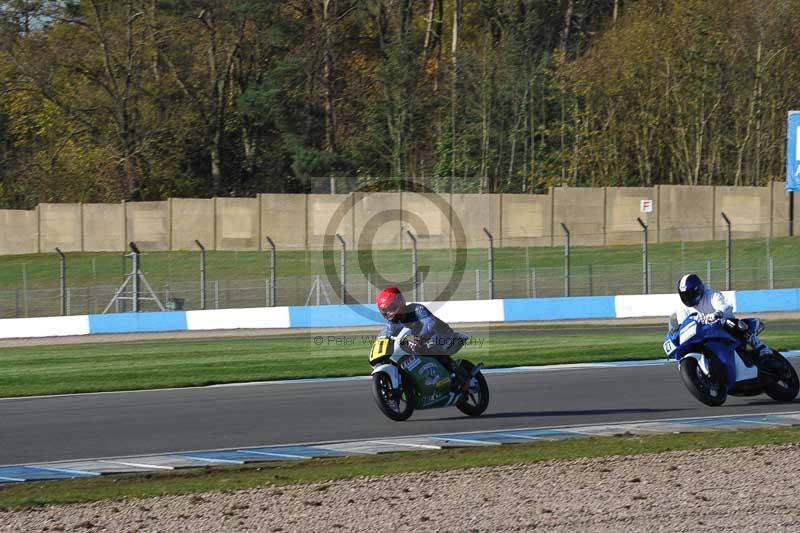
715	361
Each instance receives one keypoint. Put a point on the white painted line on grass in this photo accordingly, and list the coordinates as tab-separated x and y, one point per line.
468	441
516	436
144	465
410	445
209	460
69	471
270	454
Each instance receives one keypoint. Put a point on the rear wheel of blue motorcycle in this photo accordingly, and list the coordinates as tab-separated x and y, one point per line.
475	402
787	385
701	386
397	405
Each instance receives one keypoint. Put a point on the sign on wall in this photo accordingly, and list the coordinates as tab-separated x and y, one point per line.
793	152
646	206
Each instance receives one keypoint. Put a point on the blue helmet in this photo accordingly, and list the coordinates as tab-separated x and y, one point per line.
691	289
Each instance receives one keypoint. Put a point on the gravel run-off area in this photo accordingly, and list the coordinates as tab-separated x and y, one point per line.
738	489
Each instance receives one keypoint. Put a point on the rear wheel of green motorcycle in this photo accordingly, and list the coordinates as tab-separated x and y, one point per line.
779	379
396	405
702	387
475	402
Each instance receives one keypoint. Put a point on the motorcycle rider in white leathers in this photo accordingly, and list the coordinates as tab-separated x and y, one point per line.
710	305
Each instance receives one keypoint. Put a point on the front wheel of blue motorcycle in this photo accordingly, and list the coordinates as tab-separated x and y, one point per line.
779	379
476	399
703	387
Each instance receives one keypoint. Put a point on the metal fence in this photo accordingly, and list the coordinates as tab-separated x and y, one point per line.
87	284
585	280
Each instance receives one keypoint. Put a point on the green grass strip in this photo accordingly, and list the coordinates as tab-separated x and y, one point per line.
119	487
43	370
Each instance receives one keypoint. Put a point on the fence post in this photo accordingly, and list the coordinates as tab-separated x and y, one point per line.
216	294
727	254
25	289
414	279
708	271
135	257
344	267
62	278
477	284
202	274
771	272
272	266
645	274
491	263
533	282
566	259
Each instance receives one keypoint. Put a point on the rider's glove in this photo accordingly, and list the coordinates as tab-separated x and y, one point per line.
711	317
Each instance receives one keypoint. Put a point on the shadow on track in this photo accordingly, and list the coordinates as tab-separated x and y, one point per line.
773	402
589	412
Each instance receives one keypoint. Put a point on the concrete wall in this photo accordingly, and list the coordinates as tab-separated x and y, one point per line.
594	216
18	232
104	228
623	207
329	214
475	212
748	209
583	211
238	224
60	225
284	220
527	219
377	221
148	225
686	213
192	219
780	209
427	216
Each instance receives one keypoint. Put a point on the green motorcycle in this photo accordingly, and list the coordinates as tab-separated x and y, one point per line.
403	381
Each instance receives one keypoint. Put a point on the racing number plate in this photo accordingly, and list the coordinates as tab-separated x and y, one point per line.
380	348
669	347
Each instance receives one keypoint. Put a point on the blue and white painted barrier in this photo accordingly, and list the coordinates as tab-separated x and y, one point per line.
332	316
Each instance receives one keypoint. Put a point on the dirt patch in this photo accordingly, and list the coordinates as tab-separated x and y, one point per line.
742	489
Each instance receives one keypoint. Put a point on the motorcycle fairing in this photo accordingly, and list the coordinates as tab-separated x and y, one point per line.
693	339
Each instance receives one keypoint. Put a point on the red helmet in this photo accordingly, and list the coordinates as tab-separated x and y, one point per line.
390	302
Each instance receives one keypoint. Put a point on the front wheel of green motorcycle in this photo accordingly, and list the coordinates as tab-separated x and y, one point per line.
476	400
396	404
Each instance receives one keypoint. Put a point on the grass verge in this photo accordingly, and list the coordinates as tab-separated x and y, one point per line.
43	370
119	487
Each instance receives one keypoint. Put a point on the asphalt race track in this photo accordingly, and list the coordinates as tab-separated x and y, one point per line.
117	424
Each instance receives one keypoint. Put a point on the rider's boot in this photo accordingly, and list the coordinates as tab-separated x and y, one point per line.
760	348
